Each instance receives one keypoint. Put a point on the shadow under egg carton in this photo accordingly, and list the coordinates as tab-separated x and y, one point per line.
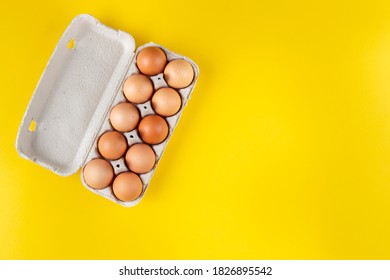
132	137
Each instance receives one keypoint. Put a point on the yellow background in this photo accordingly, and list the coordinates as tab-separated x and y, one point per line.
283	152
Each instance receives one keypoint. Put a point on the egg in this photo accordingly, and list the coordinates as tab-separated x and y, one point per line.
124	117
151	61
140	158
179	73
127	186
112	145
98	173
166	102
138	88
153	129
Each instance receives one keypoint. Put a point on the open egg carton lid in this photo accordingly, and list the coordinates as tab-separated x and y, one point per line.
73	95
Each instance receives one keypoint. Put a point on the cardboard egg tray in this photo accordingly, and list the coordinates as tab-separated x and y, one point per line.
70	107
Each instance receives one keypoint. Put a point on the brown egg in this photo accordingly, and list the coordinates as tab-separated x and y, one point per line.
138	88
151	61
112	145
166	102
98	173
127	186
153	129
140	158
179	73
124	117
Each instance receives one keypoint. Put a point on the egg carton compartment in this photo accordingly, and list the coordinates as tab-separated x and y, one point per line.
132	137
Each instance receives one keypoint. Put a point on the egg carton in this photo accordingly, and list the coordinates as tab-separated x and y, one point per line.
81	83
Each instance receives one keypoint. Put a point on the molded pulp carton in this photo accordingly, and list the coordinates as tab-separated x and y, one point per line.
71	103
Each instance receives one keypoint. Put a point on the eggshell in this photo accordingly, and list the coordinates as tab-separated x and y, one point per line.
166	102
98	173
151	61
124	117
127	186
179	73
112	145
140	158
153	129
138	88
